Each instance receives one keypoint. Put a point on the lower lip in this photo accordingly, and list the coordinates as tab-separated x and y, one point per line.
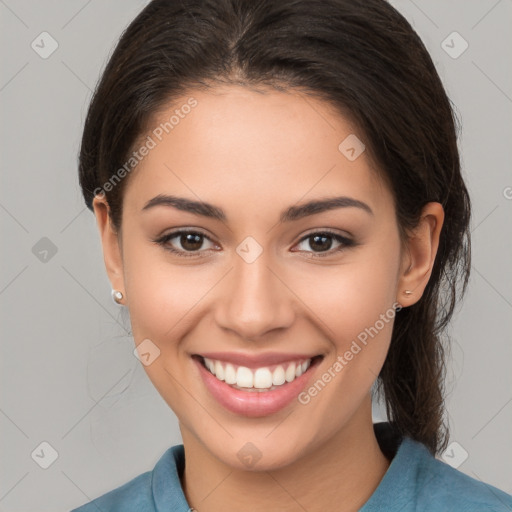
254	403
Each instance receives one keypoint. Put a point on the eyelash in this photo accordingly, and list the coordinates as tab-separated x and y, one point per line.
346	242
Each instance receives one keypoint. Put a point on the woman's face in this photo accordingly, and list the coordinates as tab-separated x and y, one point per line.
253	286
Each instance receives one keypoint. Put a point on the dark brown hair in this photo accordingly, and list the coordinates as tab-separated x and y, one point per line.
364	59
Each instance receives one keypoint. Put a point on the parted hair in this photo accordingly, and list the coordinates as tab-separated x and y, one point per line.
365	60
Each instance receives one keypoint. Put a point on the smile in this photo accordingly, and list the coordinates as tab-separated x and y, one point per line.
265	378
257	385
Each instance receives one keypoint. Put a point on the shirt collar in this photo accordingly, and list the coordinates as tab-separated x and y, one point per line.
402	451
397	489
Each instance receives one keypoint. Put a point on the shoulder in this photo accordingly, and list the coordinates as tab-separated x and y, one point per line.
417	481
134	495
443	487
148	492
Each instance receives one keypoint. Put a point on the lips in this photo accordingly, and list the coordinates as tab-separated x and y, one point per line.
256	385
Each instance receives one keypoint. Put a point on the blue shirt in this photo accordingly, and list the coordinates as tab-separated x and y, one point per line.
415	481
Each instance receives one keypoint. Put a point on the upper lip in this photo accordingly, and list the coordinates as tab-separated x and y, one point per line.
257	360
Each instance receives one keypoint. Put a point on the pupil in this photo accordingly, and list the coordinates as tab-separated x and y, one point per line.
191	241
316	238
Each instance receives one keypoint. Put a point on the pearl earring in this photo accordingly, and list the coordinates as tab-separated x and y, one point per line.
408	292
117	296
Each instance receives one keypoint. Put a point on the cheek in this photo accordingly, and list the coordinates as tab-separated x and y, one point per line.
161	294
161	298
351	297
354	306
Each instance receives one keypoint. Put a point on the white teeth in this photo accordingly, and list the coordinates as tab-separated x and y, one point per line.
244	377
219	370
230	374
259	379
209	364
278	376
262	378
290	373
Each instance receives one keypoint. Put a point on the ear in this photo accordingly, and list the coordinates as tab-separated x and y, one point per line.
419	254
111	242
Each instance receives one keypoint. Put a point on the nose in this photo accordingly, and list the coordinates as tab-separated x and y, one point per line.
255	299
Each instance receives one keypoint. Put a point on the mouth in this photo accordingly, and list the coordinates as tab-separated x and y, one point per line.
253	389
258	379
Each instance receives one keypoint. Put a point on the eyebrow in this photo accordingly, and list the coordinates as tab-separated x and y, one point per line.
290	214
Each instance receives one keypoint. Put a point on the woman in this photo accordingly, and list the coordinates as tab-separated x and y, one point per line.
278	193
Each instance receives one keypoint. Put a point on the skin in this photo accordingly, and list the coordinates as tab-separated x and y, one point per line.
253	154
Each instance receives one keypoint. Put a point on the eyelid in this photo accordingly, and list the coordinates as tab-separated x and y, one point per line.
164	239
345	241
181	231
330	231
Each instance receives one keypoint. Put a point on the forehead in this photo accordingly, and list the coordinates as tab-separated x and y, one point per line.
238	146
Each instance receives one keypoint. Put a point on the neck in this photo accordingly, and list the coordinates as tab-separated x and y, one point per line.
339	475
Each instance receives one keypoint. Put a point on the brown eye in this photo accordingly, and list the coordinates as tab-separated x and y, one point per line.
184	243
322	242
191	241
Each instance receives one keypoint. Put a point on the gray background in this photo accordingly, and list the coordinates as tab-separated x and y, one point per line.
68	375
